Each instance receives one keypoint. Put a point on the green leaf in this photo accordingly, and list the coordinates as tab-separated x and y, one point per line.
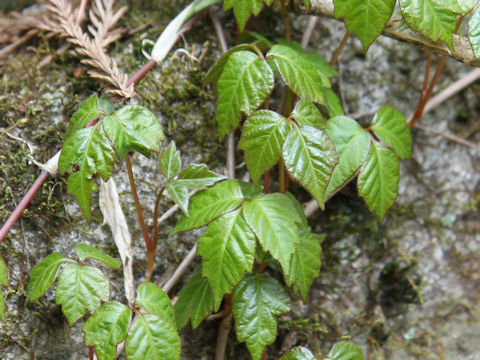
216	70
85	252
390	126
434	18
198	177
209	204
310	158
332	102
321	64
306	262
466	6
352	143
195	301
155	301
345	351
306	113
303	224
179	194
87	111
228	250
243	86
152	337
2	306
299	73
298	353
81	288
244	9
43	275
378	179
170	161
133	128
257	300
90	150
262	139
474	32
3	272
366	18
273	218
106	105
106	328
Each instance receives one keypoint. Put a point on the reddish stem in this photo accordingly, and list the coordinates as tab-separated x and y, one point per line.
266	182
339	48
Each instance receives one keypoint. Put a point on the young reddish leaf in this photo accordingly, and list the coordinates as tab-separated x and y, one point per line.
179	194
345	351
243	86
155	301
310	158
133	128
43	275
209	204
273	218
299	73
198	177
90	150
81	288
298	353
378	179
87	111
257	300
170	161
262	139
195	301
85	251
228	250
306	262
106	328
306	113
244	9
390	126
151	337
365	18
434	18
352	143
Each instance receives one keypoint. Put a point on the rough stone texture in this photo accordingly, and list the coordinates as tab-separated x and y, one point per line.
426	248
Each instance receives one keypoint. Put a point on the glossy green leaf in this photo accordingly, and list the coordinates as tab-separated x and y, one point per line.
133	128
310	158
474	32
170	161
209	204
257	300
352	143
262	139
390	126
195	301
85	252
216	70
228	249
3	272
345	351
306	262
332	102
306	113
299	73
321	64
2	306
245	83
87	111
298	353
303	224
378	179
434	18
273	218
244	9
151	337
466	6
81	288
155	301
366	18
198	177
106	105
250	191
90	151
43	275
179	194
106	328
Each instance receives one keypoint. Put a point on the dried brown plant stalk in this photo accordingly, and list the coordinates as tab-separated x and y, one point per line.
103	67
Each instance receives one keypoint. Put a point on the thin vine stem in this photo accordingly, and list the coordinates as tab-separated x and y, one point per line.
339	49
155	217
